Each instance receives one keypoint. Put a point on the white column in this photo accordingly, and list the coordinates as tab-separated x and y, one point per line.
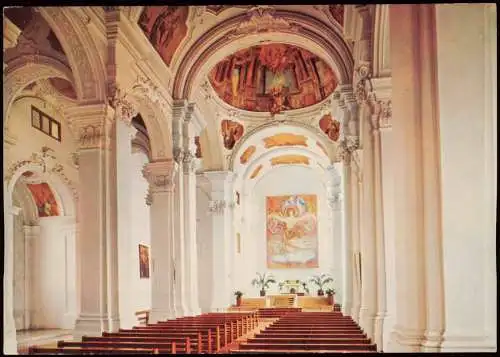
355	219
219	207
9	327
334	195
389	237
97	240
347	250
411	83
368	247
192	126
125	133
160	175
180	281
70	310
379	234
31	233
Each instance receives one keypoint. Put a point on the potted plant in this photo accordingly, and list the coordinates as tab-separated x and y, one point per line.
330	293
238	295
321	280
304	286
263	281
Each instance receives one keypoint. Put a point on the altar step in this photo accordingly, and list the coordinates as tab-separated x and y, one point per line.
276	311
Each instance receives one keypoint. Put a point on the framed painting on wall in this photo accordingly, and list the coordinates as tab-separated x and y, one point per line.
292	231
143	261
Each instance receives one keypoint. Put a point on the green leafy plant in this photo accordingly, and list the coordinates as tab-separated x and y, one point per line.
263	281
238	294
320	280
330	292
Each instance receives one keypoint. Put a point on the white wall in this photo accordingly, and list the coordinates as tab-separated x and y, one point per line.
141	233
283	180
19	273
204	247
54	283
466	40
30	139
134	229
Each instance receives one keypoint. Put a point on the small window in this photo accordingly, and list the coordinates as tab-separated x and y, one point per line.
45	123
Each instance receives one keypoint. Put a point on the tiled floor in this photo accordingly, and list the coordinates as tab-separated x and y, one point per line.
45	337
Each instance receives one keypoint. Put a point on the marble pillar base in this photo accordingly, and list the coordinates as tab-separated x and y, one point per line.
89	325
9	342
378	331
405	340
366	322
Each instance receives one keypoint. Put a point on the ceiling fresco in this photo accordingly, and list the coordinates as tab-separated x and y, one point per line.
272	78
330	126
247	154
165	27
285	139
289	160
231	132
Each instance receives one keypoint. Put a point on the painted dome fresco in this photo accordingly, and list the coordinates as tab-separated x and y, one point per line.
272	78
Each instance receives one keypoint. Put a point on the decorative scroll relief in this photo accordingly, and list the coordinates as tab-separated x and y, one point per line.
48	163
161	175
262	19
93	136
216	207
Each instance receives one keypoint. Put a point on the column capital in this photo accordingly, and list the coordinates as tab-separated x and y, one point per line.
190	162
31	231
92	124
218	179
216	207
195	117
160	175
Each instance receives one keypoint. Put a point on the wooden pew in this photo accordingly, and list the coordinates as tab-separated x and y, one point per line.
36	350
196	343
167	347
143	316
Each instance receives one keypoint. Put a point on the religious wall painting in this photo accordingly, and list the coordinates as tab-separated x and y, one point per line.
231	132
198	147
285	139
165	27
44	199
330	126
247	154
256	172
322	148
290	159
272	78
292	231
143	261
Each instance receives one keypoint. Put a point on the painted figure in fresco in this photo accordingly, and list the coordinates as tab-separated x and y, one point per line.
44	199
164	25
330	127
231	133
294	221
143	261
